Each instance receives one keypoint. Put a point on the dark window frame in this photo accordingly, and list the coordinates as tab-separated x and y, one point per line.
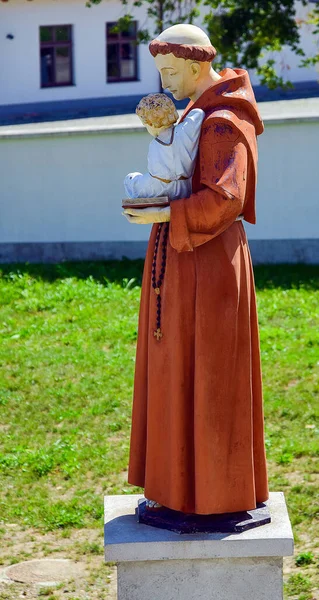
119	40
54	45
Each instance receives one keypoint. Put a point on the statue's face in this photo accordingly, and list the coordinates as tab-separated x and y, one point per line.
178	75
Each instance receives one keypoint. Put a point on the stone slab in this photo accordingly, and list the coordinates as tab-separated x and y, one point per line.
182	523
46	571
128	540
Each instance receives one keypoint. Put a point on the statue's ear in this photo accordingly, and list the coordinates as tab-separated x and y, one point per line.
196	69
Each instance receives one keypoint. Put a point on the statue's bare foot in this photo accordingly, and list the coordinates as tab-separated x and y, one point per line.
151	504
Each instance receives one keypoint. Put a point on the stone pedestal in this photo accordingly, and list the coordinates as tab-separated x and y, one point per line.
156	564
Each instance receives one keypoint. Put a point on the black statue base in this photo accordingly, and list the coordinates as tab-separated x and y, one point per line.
165	518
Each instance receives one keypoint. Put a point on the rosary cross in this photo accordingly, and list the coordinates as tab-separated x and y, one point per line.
158	334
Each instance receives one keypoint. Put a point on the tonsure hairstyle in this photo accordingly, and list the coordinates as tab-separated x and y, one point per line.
196	53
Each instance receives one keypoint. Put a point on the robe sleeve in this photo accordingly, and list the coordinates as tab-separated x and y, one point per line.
223	173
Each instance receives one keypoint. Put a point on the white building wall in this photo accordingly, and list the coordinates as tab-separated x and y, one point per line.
287	192
69	188
287	62
19	58
20	62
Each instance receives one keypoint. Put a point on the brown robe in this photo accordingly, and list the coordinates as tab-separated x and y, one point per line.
197	442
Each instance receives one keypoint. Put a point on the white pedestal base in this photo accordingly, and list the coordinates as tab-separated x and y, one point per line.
154	564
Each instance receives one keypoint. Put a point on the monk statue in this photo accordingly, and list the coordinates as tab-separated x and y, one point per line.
197	442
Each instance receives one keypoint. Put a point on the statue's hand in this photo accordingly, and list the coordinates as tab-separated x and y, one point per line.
144	216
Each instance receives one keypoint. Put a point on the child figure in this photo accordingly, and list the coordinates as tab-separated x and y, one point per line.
172	152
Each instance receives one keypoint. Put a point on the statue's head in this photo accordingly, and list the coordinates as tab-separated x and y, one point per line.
183	56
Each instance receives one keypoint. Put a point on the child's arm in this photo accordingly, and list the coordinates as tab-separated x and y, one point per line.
144	186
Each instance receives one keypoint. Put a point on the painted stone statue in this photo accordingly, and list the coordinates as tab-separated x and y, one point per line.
197	442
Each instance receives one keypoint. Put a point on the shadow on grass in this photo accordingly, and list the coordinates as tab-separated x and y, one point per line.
115	271
287	276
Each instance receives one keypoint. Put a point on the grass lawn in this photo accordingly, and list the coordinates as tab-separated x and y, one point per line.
67	352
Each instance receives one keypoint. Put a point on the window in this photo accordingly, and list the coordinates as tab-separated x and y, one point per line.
56	55
121	53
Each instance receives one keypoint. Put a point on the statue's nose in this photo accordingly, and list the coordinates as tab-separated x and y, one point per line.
164	83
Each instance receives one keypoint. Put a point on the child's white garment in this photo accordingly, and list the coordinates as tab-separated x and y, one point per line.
171	157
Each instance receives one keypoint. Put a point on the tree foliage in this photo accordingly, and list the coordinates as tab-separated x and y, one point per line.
313	19
243	31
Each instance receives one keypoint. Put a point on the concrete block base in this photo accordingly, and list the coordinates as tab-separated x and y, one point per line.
156	564
224	579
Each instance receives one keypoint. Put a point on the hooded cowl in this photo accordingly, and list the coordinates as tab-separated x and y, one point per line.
232	121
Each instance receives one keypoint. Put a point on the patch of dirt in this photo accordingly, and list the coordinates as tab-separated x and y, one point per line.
306	474
5	427
292	383
301	478
83	546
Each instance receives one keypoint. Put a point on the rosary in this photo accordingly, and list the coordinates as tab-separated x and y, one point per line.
157	283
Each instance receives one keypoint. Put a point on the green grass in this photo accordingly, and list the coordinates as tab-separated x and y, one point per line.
305	558
67	355
68	335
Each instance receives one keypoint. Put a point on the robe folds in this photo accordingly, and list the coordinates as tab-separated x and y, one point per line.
197	441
